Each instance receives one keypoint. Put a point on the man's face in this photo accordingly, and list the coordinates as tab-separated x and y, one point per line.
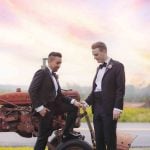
55	63
100	56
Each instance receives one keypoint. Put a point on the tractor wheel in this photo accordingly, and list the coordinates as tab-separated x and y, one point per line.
75	144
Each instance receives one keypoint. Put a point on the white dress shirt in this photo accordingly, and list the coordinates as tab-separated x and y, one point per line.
100	75
54	81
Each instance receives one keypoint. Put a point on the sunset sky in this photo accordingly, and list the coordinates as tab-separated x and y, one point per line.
31	29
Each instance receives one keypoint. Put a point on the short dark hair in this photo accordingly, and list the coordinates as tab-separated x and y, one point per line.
100	45
55	54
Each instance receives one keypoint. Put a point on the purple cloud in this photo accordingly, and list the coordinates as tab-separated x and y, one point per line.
7	17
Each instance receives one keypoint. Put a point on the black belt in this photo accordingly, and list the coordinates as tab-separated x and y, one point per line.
97	94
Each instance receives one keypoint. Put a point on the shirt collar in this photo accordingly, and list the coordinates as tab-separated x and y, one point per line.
107	60
50	69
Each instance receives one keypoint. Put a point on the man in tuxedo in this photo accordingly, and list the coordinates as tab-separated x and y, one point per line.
106	97
47	100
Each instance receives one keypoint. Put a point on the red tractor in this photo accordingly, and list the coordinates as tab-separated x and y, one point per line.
16	116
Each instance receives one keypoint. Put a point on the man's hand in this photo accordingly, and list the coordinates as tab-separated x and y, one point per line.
44	111
84	104
77	104
116	114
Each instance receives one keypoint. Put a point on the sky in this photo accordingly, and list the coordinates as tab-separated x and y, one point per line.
31	29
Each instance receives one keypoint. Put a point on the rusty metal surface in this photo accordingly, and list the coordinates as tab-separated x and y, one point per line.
22	98
124	140
17	98
16	114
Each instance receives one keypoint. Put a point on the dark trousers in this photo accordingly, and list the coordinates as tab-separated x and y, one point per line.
105	126
45	126
105	132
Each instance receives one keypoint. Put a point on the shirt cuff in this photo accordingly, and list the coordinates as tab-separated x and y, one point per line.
72	101
116	109
38	109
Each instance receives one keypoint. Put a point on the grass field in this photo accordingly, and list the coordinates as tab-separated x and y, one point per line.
130	115
135	115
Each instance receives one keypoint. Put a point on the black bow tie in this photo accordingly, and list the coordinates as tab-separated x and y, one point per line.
55	75
102	65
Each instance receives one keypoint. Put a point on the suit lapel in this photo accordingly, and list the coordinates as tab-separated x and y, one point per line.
50	76
94	84
108	67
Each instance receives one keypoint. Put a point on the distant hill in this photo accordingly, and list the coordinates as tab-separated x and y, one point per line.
133	94
137	94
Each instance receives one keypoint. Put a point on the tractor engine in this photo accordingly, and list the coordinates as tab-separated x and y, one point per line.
16	113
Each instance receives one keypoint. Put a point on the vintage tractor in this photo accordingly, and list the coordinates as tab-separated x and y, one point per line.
16	116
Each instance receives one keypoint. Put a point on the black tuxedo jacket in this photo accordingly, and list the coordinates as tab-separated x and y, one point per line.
42	89
113	87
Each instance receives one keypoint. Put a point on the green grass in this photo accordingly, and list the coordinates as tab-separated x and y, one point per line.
135	115
89	114
130	115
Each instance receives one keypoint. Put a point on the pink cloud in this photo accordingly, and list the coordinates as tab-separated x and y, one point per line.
7	16
141	3
80	34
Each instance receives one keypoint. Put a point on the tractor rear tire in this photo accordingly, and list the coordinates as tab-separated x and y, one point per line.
74	144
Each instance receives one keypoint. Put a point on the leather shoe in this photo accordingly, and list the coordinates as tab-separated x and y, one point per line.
70	136
76	132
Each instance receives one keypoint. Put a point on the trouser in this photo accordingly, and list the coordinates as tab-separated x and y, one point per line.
105	132
104	125
45	125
